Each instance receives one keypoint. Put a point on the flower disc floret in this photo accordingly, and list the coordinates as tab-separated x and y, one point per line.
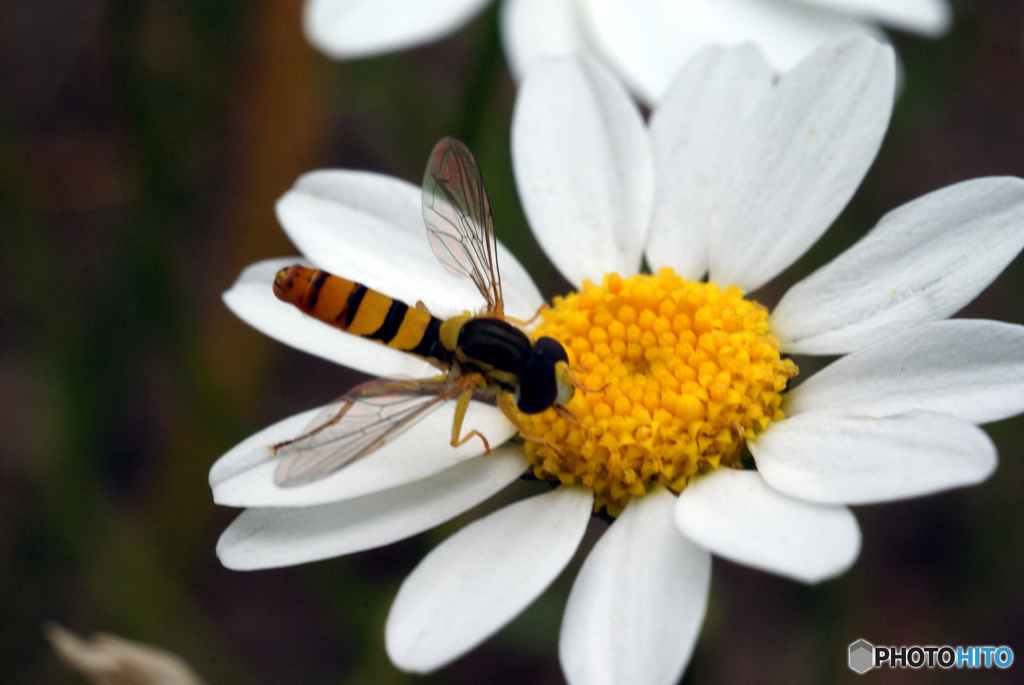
678	375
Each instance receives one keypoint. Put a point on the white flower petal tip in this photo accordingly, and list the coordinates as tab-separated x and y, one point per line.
636	608
369	228
477	580
648	41
244	476
834	458
737	516
973	370
107	658
922	262
927	17
531	29
345	29
273	537
583	166
809	146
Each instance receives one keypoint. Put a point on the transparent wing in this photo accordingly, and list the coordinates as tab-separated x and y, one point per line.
365	418
458	217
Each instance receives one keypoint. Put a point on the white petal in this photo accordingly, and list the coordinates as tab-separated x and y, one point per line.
369	228
105	658
836	458
254	450
251	298
922	262
272	537
705	109
637	606
649	41
810	145
973	370
477	580
360	28
583	167
737	516
929	17
536	28
244	477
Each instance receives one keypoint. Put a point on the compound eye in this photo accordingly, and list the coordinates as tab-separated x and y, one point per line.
538	388
550	348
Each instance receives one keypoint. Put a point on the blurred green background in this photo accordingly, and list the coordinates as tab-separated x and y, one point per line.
142	147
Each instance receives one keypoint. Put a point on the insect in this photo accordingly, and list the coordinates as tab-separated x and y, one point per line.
483	356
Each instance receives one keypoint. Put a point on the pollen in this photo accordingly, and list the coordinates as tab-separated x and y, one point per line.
677	375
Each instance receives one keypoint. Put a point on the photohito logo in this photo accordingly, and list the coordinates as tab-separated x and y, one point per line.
863	656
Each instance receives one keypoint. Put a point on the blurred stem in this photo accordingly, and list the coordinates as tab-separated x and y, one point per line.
484	80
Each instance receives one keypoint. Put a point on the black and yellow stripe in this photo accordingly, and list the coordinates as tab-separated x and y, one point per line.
356	309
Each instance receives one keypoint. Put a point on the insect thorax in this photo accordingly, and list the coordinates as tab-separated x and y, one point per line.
494	348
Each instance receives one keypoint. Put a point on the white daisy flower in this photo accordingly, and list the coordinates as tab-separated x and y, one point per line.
645	41
733	178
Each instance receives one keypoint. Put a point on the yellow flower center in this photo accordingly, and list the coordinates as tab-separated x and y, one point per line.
678	375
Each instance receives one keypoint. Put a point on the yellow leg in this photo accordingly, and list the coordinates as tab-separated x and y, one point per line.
507	409
520	322
460	414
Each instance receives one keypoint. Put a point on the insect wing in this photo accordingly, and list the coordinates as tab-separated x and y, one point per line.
365	418
458	217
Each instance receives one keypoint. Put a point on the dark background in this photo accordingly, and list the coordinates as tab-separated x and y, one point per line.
142	147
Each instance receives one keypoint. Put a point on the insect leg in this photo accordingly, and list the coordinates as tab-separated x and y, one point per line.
460	414
506	408
521	323
378	387
335	419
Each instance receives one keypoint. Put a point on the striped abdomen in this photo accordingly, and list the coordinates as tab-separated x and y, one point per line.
358	310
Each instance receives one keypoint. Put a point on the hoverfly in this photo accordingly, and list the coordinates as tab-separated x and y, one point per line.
483	356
